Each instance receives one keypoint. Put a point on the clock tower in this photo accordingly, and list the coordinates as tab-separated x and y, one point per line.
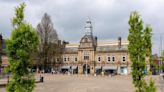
87	49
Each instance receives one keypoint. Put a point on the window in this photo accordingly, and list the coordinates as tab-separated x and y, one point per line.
76	59
65	59
108	59
122	70
113	59
86	40
123	58
99	59
86	57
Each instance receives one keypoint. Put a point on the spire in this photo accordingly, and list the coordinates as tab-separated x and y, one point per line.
88	27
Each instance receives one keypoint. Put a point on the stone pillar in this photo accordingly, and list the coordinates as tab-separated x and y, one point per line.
80	69
129	69
92	69
118	69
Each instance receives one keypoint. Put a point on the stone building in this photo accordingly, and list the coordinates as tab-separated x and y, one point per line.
4	59
90	56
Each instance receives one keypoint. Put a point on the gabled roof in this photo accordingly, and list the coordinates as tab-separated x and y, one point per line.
89	37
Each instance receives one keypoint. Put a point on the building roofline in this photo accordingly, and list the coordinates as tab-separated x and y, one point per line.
109	43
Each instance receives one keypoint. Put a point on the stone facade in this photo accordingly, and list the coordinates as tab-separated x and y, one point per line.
90	56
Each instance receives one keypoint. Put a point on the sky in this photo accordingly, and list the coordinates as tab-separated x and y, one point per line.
109	17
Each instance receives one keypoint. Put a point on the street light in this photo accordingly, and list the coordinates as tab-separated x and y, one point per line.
72	68
69	67
86	68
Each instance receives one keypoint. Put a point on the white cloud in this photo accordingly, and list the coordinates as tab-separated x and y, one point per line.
110	17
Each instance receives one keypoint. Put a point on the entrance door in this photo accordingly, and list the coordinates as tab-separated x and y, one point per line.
86	69
124	70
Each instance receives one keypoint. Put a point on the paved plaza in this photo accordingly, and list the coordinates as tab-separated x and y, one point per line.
82	83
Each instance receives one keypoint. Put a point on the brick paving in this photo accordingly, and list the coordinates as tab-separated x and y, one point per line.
82	83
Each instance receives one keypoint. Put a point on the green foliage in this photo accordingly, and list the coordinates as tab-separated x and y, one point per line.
19	15
162	58
148	45
151	87
139	48
147	40
136	49
22	43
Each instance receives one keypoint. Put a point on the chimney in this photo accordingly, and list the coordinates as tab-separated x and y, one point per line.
119	42
96	38
96	41
1	39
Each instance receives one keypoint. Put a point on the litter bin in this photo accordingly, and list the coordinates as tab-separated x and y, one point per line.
41	79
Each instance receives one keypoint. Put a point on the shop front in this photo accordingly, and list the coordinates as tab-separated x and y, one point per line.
110	70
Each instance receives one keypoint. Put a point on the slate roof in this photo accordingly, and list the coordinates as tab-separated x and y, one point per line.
105	48
71	49
110	48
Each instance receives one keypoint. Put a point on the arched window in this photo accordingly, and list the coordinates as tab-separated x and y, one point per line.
108	59
99	59
113	58
75	58
123	59
86	40
86	55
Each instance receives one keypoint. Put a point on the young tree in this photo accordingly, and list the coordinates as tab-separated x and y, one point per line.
139	48
136	50
147	40
48	41
22	43
148	46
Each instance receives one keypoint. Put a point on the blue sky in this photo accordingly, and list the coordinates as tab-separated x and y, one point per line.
109	17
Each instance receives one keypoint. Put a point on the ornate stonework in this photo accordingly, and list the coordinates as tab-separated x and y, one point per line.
90	56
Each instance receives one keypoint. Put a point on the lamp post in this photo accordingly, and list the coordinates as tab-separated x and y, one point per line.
86	68
69	68
72	68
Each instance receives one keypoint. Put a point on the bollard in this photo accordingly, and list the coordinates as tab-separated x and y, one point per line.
41	79
7	78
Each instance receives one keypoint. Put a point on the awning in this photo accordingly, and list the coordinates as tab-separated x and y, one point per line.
110	68
98	67
65	67
74	67
123	65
